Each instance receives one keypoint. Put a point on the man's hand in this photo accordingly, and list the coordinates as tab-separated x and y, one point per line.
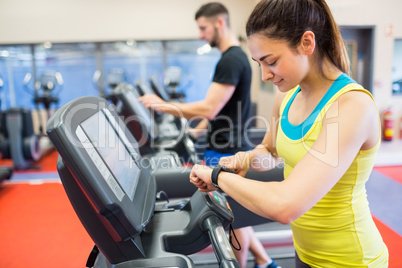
152	101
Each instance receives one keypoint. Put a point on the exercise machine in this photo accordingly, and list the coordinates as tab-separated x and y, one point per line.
114	195
167	123
172	80
254	134
171	125
5	171
169	177
20	141
45	90
113	78
158	88
139	122
162	142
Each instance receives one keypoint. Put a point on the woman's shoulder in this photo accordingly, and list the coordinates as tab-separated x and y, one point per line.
357	107
357	96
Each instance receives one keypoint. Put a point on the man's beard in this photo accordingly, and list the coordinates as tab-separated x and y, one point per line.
214	40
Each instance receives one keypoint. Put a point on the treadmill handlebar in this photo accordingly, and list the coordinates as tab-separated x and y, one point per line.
220	243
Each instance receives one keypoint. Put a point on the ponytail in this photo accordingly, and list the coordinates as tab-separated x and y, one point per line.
337	53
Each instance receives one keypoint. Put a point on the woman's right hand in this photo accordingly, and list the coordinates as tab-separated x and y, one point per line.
240	162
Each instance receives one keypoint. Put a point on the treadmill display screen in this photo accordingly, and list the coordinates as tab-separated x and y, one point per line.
100	136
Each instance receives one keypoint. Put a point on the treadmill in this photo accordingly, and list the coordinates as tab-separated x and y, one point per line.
114	195
5	171
170	175
158	89
158	139
166	123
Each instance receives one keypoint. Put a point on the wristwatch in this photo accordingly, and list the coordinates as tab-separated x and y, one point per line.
215	172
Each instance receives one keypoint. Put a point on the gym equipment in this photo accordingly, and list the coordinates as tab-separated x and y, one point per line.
114	195
139	122
162	142
20	142
254	134
172	80
169	179
113	78
45	89
5	171
158	89
167	123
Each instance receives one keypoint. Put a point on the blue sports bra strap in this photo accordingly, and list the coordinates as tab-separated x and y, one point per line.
296	132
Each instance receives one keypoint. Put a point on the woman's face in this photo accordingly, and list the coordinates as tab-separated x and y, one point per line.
279	64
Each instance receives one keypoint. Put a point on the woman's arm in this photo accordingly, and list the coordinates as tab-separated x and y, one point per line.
264	156
350	125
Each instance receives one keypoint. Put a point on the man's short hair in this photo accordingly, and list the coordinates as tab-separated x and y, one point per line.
212	9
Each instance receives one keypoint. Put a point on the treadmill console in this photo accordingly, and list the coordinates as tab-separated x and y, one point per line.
125	175
217	202
99	166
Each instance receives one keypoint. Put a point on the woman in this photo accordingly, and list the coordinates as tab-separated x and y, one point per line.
326	129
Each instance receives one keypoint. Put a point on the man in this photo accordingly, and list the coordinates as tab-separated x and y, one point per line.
225	110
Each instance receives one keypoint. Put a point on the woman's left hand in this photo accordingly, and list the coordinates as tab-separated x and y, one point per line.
200	176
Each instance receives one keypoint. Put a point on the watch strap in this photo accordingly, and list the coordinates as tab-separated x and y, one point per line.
214	176
215	173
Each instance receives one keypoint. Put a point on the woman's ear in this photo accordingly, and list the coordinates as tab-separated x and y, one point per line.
307	43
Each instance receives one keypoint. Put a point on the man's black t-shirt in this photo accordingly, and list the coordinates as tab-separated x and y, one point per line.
228	130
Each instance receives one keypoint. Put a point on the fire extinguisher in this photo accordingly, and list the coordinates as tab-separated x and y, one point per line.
400	128
388	129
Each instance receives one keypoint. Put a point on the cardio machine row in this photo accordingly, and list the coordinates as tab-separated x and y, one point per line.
110	186
164	142
114	195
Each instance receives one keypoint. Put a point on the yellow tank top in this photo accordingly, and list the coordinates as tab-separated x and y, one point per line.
339	230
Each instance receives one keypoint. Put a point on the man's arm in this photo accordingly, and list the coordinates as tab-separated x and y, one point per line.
217	97
266	152
264	156
200	129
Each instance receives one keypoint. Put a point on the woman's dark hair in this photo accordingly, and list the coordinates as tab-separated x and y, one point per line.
288	20
213	9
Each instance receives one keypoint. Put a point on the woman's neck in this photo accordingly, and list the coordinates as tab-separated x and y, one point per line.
317	83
